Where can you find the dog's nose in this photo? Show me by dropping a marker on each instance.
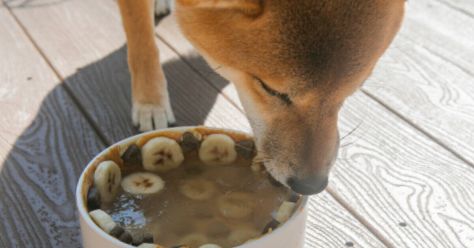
(309, 185)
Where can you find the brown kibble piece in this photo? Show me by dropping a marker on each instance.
(132, 156)
(189, 142)
(271, 226)
(117, 231)
(126, 237)
(245, 148)
(93, 199)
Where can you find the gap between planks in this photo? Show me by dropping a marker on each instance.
(418, 128)
(76, 101)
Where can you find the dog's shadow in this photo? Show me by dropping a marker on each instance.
(39, 173)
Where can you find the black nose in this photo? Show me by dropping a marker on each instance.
(308, 186)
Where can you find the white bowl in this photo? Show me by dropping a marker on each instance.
(290, 234)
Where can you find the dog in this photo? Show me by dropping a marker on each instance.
(293, 63)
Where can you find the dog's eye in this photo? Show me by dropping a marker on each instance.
(282, 96)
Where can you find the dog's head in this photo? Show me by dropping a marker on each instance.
(293, 64)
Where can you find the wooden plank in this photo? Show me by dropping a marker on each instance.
(391, 174)
(44, 144)
(329, 225)
(427, 76)
(88, 35)
(465, 7)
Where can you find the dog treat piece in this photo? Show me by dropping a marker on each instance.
(117, 231)
(285, 211)
(243, 234)
(193, 240)
(198, 189)
(149, 245)
(142, 183)
(272, 225)
(103, 220)
(93, 199)
(161, 154)
(140, 238)
(107, 179)
(209, 246)
(126, 237)
(132, 156)
(218, 149)
(236, 205)
(245, 148)
(189, 142)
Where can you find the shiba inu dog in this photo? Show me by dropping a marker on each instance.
(293, 62)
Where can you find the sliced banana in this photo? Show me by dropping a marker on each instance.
(103, 220)
(236, 205)
(142, 183)
(243, 234)
(194, 240)
(218, 149)
(161, 154)
(285, 211)
(209, 246)
(146, 245)
(107, 177)
(198, 189)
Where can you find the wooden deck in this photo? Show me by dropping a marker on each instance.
(405, 178)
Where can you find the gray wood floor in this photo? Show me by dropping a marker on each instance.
(405, 178)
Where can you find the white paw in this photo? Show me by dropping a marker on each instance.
(162, 7)
(151, 116)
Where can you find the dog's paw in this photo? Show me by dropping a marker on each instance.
(162, 7)
(152, 116)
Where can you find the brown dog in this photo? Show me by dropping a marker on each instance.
(293, 62)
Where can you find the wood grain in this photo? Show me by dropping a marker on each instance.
(71, 39)
(44, 144)
(433, 90)
(393, 175)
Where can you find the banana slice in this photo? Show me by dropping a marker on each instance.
(103, 220)
(236, 205)
(107, 177)
(146, 245)
(209, 246)
(194, 240)
(142, 183)
(198, 189)
(161, 154)
(285, 211)
(218, 149)
(243, 234)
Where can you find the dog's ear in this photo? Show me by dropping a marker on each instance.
(250, 7)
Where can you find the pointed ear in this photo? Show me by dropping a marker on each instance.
(251, 7)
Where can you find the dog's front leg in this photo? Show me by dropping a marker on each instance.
(150, 100)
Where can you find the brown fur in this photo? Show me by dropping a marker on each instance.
(293, 63)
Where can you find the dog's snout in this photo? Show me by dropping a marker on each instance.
(309, 185)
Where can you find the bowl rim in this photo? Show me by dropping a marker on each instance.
(80, 204)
